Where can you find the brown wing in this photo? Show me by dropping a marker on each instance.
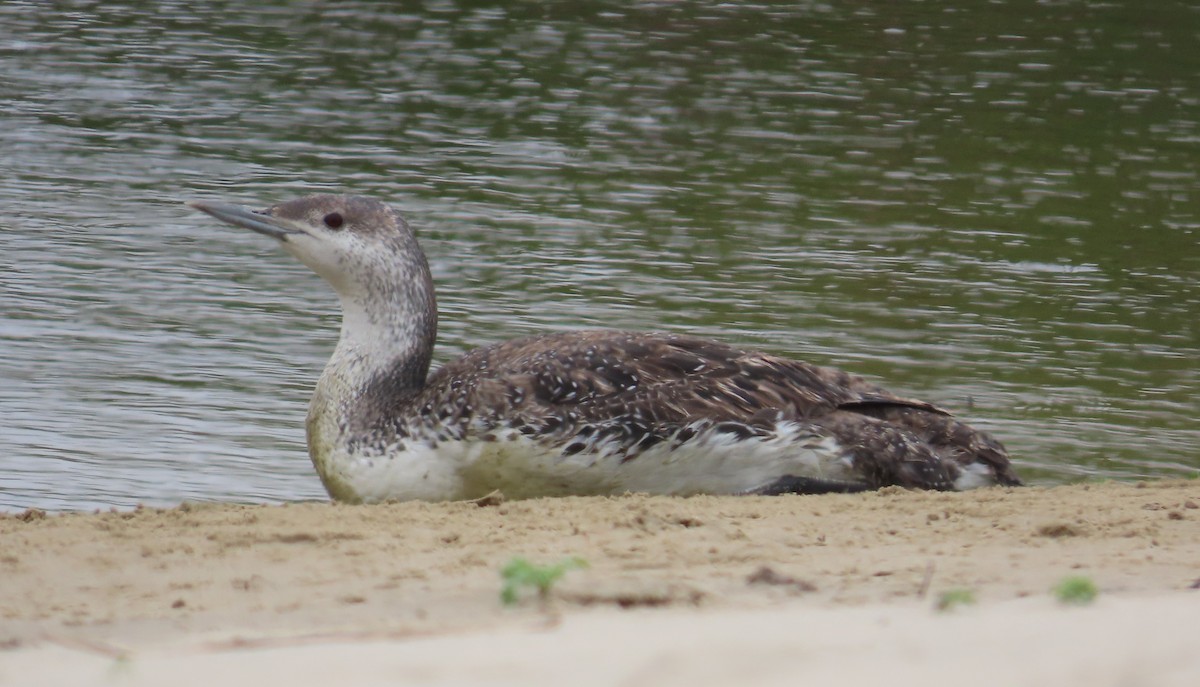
(593, 377)
(601, 375)
(637, 389)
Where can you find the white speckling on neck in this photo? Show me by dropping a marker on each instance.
(389, 324)
(375, 334)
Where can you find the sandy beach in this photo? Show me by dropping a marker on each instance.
(698, 591)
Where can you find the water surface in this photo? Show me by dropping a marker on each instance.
(994, 208)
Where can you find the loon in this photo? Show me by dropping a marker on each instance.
(583, 412)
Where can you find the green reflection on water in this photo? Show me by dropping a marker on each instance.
(993, 205)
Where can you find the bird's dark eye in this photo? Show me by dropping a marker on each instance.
(334, 220)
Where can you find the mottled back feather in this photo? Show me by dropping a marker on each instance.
(624, 391)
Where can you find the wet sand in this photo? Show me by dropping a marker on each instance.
(704, 590)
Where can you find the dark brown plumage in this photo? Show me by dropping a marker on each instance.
(577, 388)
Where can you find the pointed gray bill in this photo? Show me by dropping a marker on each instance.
(245, 217)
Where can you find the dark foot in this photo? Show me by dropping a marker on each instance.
(808, 485)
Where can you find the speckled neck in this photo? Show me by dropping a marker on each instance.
(389, 325)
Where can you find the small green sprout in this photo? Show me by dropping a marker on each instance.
(953, 598)
(520, 573)
(1077, 591)
(121, 667)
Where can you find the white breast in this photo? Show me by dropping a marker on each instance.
(523, 467)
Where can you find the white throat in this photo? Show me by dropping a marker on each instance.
(375, 337)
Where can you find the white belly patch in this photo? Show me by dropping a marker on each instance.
(710, 461)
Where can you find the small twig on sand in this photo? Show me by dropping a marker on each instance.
(926, 579)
